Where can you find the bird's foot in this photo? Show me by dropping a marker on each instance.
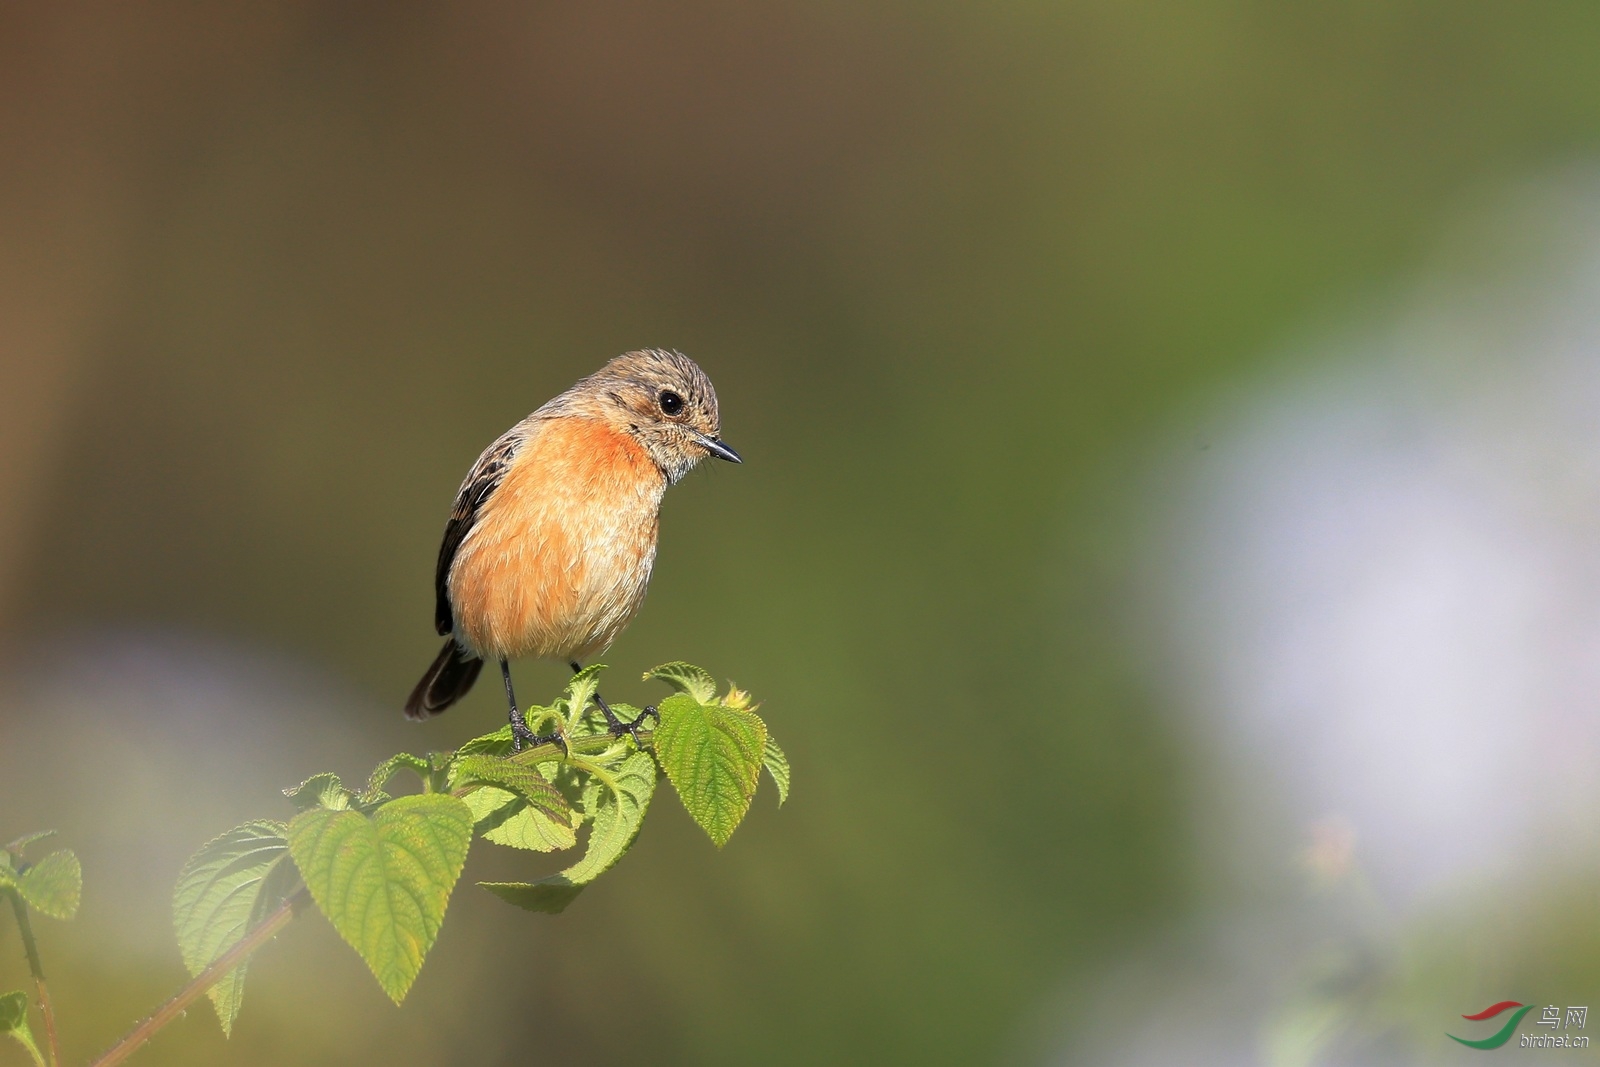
(556, 738)
(526, 738)
(522, 736)
(617, 727)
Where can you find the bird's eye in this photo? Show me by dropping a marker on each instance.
(671, 403)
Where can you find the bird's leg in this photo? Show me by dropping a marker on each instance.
(520, 734)
(614, 724)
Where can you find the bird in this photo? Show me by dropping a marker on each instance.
(549, 548)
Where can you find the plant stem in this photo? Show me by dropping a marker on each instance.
(587, 744)
(263, 932)
(31, 948)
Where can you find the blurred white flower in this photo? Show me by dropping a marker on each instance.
(1390, 582)
(1382, 587)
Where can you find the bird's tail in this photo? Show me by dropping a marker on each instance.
(446, 682)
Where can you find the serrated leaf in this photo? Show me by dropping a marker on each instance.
(580, 692)
(516, 806)
(547, 897)
(497, 743)
(53, 885)
(386, 770)
(506, 819)
(712, 754)
(617, 802)
(489, 802)
(14, 1021)
(617, 812)
(223, 892)
(686, 678)
(319, 791)
(777, 765)
(16, 847)
(384, 880)
(519, 778)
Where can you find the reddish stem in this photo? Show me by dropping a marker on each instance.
(263, 932)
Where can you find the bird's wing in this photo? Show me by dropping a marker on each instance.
(480, 484)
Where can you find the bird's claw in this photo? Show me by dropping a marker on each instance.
(617, 727)
(532, 740)
(520, 735)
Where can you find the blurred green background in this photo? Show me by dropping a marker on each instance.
(272, 275)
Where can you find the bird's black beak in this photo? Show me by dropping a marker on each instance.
(717, 448)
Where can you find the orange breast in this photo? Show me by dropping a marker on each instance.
(559, 558)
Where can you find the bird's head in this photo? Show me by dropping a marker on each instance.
(664, 401)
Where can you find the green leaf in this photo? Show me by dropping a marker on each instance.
(16, 847)
(384, 880)
(495, 744)
(580, 692)
(625, 712)
(490, 807)
(386, 770)
(713, 755)
(617, 801)
(14, 1021)
(617, 805)
(53, 885)
(686, 678)
(515, 804)
(777, 765)
(319, 791)
(499, 742)
(594, 721)
(223, 892)
(519, 778)
(506, 819)
(548, 897)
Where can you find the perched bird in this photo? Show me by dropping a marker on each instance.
(553, 535)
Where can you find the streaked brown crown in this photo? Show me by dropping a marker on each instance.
(661, 397)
